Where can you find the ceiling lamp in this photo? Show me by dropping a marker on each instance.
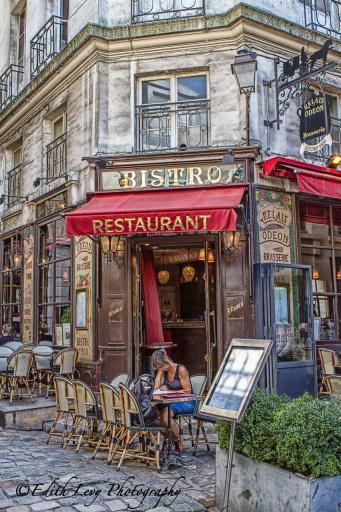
(188, 272)
(210, 255)
(315, 274)
(163, 275)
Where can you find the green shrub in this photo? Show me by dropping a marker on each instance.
(303, 434)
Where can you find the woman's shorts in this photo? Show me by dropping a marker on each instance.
(179, 408)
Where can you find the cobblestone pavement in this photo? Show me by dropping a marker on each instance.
(26, 459)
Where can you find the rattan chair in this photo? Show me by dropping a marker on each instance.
(63, 365)
(112, 420)
(18, 374)
(135, 429)
(123, 378)
(65, 407)
(85, 425)
(14, 345)
(198, 384)
(42, 367)
(5, 354)
(333, 383)
(327, 366)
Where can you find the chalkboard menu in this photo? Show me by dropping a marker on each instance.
(236, 378)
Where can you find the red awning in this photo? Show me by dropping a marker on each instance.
(157, 211)
(311, 179)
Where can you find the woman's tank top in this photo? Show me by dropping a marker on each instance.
(174, 384)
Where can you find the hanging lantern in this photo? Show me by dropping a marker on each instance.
(188, 273)
(315, 274)
(16, 260)
(231, 241)
(109, 246)
(163, 275)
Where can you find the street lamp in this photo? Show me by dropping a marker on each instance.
(244, 68)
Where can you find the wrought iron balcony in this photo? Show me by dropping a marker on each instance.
(326, 151)
(57, 158)
(154, 10)
(323, 16)
(14, 185)
(47, 43)
(167, 126)
(10, 83)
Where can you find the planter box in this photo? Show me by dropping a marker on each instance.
(265, 488)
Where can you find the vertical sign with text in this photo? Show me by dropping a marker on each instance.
(28, 253)
(83, 339)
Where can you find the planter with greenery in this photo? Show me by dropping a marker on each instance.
(293, 450)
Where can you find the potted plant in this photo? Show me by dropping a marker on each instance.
(287, 456)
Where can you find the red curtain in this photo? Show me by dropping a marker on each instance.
(152, 313)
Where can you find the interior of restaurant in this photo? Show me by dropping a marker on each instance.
(184, 277)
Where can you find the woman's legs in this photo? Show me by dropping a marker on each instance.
(164, 423)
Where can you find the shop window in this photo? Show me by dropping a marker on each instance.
(57, 149)
(54, 268)
(320, 247)
(11, 289)
(172, 113)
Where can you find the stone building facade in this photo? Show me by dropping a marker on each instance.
(83, 87)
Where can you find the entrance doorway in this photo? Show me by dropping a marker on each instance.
(185, 275)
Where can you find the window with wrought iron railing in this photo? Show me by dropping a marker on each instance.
(323, 16)
(173, 113)
(154, 10)
(10, 82)
(14, 185)
(47, 43)
(57, 158)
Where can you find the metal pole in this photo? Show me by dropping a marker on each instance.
(248, 119)
(229, 469)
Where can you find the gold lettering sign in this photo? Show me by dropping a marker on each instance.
(150, 224)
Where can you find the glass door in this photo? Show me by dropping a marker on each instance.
(285, 315)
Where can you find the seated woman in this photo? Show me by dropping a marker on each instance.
(174, 377)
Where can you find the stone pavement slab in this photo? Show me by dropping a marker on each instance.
(93, 486)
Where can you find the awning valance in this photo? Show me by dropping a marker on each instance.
(192, 209)
(311, 179)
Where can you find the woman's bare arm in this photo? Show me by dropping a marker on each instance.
(158, 379)
(184, 379)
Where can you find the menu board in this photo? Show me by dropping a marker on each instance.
(236, 378)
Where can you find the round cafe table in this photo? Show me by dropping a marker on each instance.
(175, 396)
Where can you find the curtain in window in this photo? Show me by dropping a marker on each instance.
(152, 313)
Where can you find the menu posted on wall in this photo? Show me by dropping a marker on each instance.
(28, 250)
(236, 378)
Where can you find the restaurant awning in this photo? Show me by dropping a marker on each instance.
(192, 209)
(311, 179)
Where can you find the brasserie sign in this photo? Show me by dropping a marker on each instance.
(172, 176)
(314, 124)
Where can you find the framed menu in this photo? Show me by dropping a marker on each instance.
(236, 379)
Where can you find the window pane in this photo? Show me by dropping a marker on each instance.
(315, 224)
(156, 91)
(292, 305)
(63, 274)
(337, 226)
(46, 284)
(16, 288)
(6, 287)
(321, 262)
(45, 323)
(47, 243)
(63, 243)
(324, 314)
(192, 88)
(58, 128)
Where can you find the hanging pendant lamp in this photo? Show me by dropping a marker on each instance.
(188, 272)
(163, 275)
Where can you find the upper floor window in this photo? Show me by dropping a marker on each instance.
(172, 113)
(57, 149)
(154, 10)
(14, 178)
(323, 16)
(21, 43)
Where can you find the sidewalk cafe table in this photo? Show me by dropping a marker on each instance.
(168, 399)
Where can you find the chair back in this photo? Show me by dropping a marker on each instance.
(45, 343)
(64, 389)
(21, 363)
(84, 399)
(66, 359)
(111, 403)
(14, 345)
(5, 353)
(327, 361)
(42, 357)
(122, 378)
(198, 383)
(333, 384)
(130, 407)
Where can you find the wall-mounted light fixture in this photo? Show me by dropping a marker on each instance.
(334, 161)
(3, 197)
(109, 246)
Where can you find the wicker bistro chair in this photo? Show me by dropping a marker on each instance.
(65, 396)
(86, 421)
(123, 378)
(5, 353)
(42, 365)
(135, 429)
(333, 383)
(198, 384)
(14, 345)
(18, 374)
(112, 421)
(63, 365)
(328, 367)
(201, 419)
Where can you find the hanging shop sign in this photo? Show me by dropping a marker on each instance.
(172, 177)
(275, 227)
(83, 264)
(28, 251)
(314, 124)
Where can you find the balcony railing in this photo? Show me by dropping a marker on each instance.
(323, 16)
(154, 10)
(14, 185)
(326, 151)
(47, 43)
(56, 158)
(10, 83)
(166, 126)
